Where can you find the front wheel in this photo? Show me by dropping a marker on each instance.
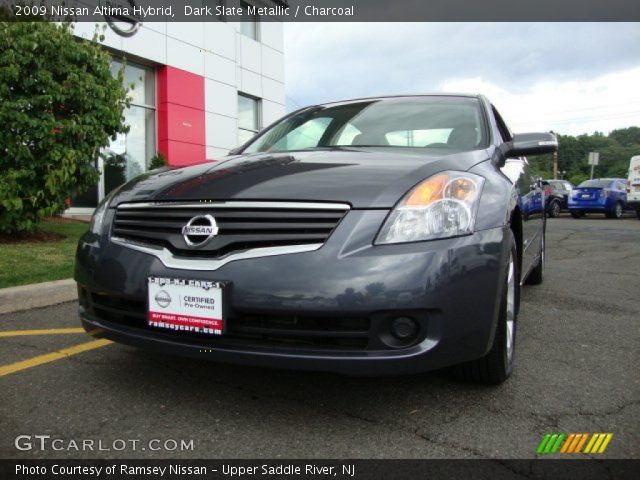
(496, 366)
(554, 209)
(638, 213)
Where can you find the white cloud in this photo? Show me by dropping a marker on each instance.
(572, 107)
(572, 78)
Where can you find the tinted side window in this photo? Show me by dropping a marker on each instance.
(505, 133)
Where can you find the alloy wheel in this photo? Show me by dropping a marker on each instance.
(511, 313)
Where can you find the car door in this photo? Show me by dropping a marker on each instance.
(531, 204)
(621, 186)
(528, 188)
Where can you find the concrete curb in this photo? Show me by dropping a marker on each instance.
(14, 299)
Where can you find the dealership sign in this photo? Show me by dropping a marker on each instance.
(122, 19)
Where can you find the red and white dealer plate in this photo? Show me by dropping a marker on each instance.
(186, 305)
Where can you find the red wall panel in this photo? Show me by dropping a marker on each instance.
(181, 117)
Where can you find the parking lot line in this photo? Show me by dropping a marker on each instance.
(47, 331)
(50, 357)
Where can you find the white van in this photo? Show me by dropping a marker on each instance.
(633, 196)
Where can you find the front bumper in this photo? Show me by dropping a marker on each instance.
(450, 287)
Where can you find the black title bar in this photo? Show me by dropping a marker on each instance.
(326, 10)
(317, 469)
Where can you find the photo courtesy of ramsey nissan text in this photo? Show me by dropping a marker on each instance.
(312, 239)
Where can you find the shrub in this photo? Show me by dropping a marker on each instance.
(157, 161)
(59, 104)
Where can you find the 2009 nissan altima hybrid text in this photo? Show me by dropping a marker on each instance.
(369, 237)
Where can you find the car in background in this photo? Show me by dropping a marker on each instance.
(599, 195)
(557, 194)
(633, 185)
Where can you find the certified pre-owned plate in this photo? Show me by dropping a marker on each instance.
(186, 305)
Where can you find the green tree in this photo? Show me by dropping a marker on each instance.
(59, 104)
(615, 151)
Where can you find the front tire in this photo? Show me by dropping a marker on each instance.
(638, 213)
(554, 209)
(497, 365)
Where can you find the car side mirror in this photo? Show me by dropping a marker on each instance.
(524, 144)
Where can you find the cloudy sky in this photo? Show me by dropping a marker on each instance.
(572, 78)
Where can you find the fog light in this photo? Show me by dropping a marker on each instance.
(404, 328)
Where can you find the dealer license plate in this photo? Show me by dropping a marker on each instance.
(186, 305)
(586, 196)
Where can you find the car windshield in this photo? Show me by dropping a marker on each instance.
(595, 184)
(454, 123)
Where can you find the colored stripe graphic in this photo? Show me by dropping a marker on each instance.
(573, 443)
(544, 441)
(551, 442)
(594, 437)
(567, 443)
(555, 448)
(581, 443)
(606, 441)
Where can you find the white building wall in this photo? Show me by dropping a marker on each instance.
(229, 62)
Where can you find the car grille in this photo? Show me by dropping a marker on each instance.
(243, 329)
(242, 225)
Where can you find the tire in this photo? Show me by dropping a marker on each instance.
(638, 213)
(497, 365)
(536, 275)
(554, 209)
(576, 214)
(616, 212)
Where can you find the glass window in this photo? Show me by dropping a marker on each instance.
(505, 133)
(306, 135)
(250, 25)
(248, 117)
(420, 138)
(454, 123)
(597, 183)
(129, 154)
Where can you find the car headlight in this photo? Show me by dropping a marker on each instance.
(441, 206)
(95, 226)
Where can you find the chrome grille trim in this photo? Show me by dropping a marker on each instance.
(208, 264)
(247, 229)
(240, 204)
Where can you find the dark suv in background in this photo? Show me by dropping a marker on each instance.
(557, 194)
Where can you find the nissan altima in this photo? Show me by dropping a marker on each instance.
(368, 237)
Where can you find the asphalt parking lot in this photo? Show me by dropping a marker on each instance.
(576, 371)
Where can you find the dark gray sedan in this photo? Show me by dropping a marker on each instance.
(372, 236)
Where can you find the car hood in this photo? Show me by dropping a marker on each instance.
(363, 178)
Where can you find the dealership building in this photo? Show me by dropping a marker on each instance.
(201, 89)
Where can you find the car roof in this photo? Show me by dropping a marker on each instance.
(408, 95)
